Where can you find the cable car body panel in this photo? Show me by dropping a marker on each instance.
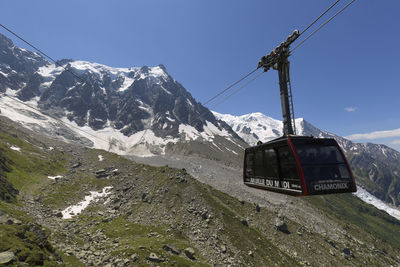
(298, 166)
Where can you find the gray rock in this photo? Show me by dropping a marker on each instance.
(3, 219)
(6, 257)
(76, 165)
(154, 258)
(223, 248)
(12, 220)
(280, 225)
(189, 252)
(172, 249)
(134, 257)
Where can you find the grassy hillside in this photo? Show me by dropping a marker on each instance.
(161, 216)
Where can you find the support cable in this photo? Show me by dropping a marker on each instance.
(312, 23)
(237, 90)
(229, 87)
(320, 27)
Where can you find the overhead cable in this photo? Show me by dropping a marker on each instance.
(237, 90)
(312, 23)
(320, 27)
(229, 87)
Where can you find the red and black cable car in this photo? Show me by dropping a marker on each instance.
(291, 164)
(299, 166)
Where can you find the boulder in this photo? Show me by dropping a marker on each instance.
(6, 257)
(189, 252)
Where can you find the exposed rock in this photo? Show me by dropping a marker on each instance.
(6, 257)
(134, 257)
(172, 249)
(101, 173)
(154, 258)
(76, 165)
(189, 252)
(223, 248)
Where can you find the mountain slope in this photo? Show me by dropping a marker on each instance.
(377, 167)
(162, 216)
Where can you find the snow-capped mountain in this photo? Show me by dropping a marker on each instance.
(138, 110)
(377, 167)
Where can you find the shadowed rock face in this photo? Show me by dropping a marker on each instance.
(16, 65)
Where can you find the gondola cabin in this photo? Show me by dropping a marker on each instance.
(298, 165)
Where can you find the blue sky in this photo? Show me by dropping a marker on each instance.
(345, 79)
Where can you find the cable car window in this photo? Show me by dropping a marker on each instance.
(288, 163)
(322, 162)
(260, 167)
(250, 165)
(271, 163)
(319, 154)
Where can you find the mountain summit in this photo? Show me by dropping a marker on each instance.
(138, 106)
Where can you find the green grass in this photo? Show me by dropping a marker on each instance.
(142, 239)
(18, 239)
(247, 238)
(62, 192)
(31, 165)
(348, 209)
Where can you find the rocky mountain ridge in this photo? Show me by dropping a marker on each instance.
(142, 108)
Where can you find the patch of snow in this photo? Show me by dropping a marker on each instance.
(190, 132)
(232, 151)
(71, 211)
(54, 177)
(4, 74)
(100, 157)
(165, 90)
(189, 102)
(365, 196)
(264, 127)
(51, 148)
(15, 148)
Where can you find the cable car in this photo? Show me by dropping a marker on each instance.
(292, 164)
(299, 166)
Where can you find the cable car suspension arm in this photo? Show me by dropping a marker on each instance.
(278, 60)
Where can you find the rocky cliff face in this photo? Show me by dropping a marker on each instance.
(17, 65)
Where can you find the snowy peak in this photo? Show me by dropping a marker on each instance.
(256, 127)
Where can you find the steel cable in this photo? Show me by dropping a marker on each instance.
(320, 27)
